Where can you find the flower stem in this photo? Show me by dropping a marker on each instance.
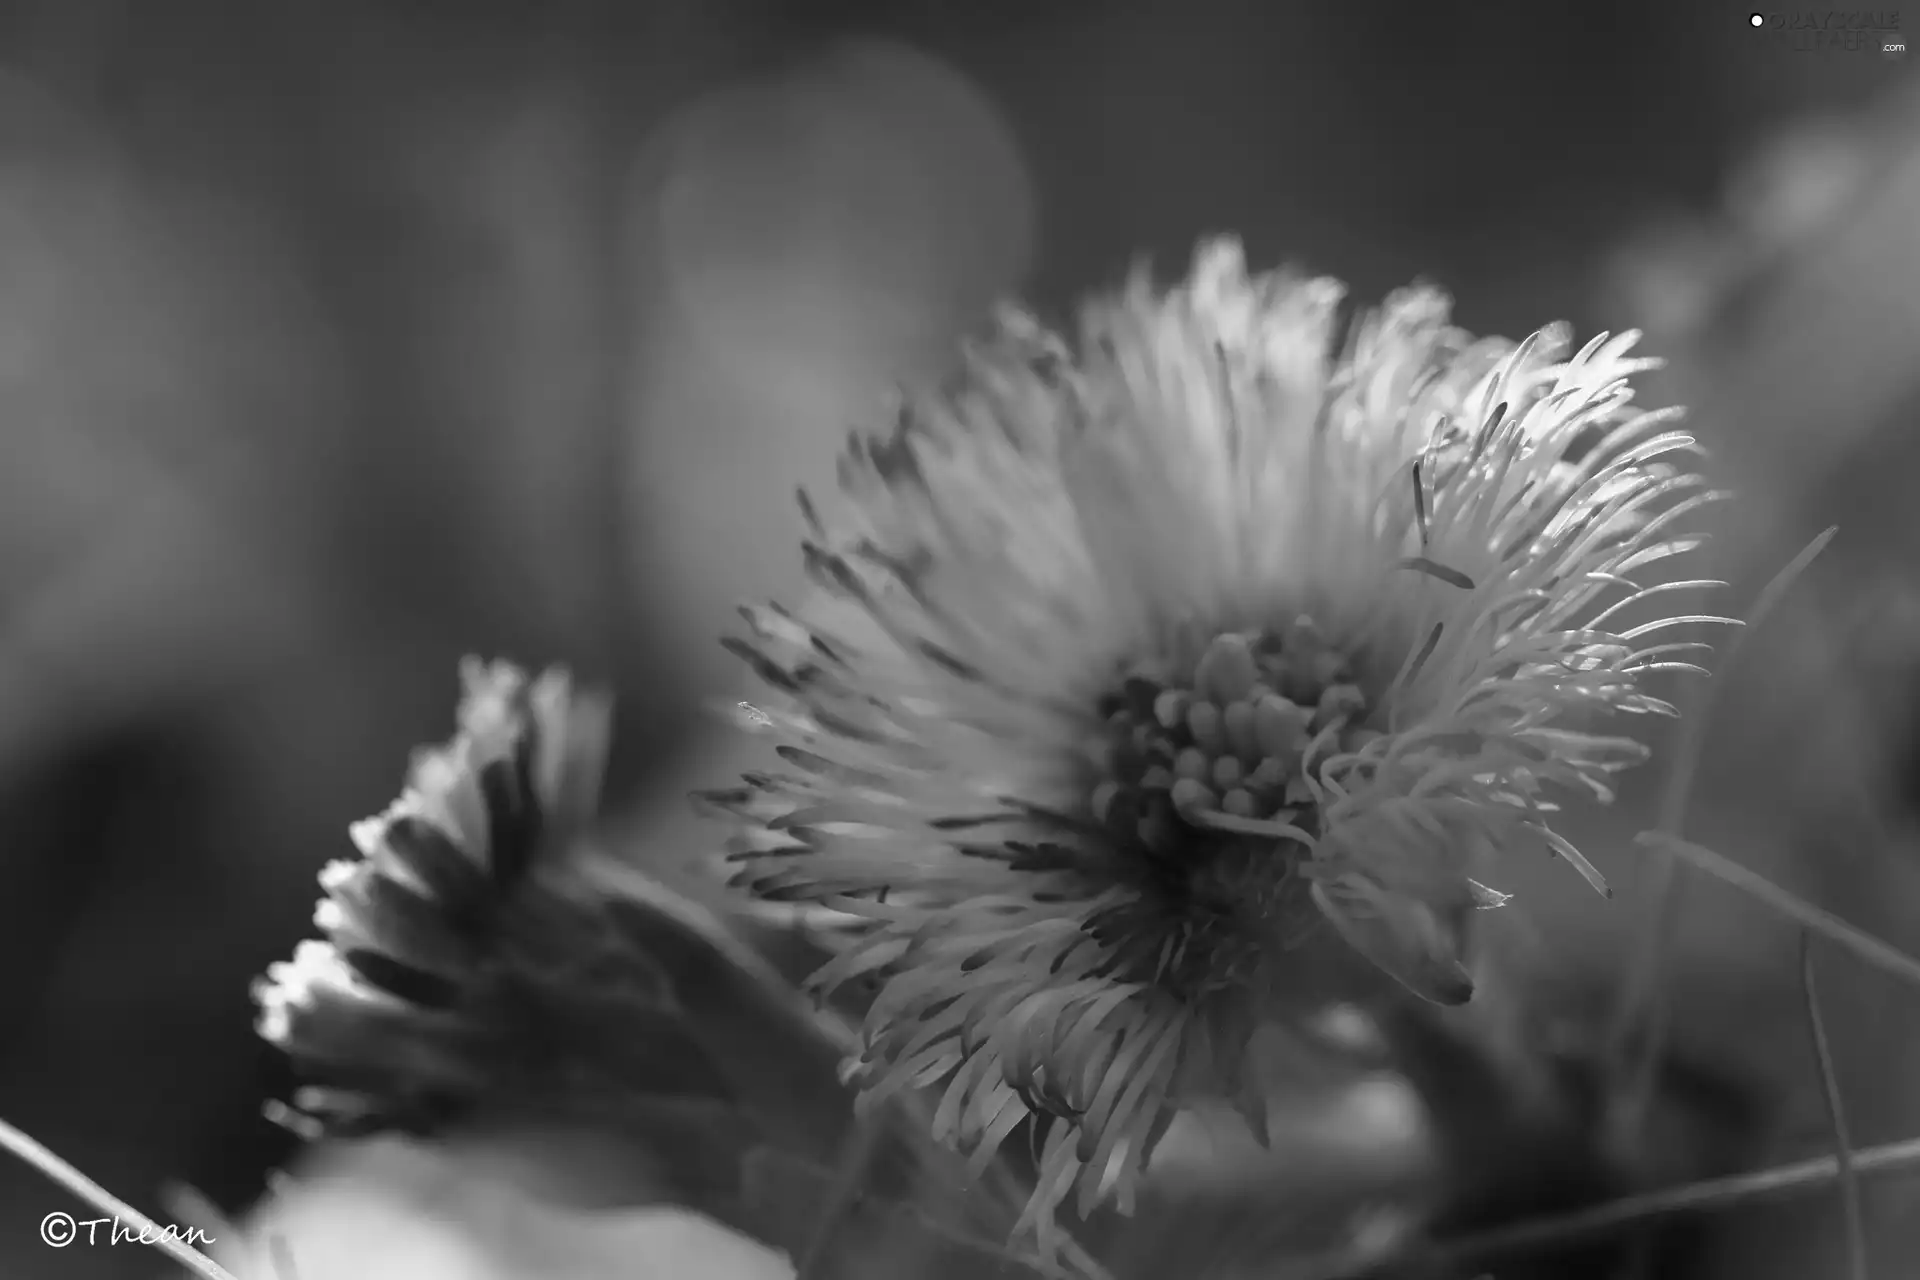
(58, 1170)
(857, 1157)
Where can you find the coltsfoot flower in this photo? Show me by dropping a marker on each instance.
(465, 960)
(1141, 656)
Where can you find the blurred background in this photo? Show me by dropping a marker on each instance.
(340, 340)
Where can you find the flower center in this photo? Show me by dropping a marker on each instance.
(1227, 748)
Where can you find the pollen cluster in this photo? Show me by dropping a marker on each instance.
(1233, 739)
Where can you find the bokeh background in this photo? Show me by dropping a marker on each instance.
(340, 340)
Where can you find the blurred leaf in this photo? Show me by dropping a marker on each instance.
(878, 1238)
(781, 1063)
(778, 1060)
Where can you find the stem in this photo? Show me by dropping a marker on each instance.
(282, 1254)
(150, 1232)
(857, 1158)
(790, 1188)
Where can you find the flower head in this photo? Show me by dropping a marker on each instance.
(463, 963)
(1141, 657)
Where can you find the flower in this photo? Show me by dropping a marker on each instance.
(1139, 657)
(466, 959)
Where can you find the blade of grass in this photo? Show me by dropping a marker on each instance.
(1837, 1117)
(85, 1188)
(1879, 954)
(1619, 1215)
(1642, 1003)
